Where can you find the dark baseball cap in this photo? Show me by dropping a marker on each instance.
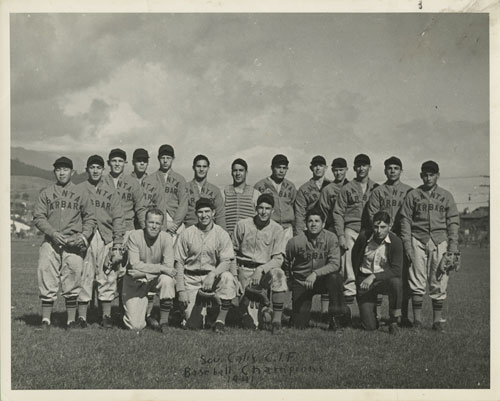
(117, 153)
(166, 150)
(393, 160)
(204, 202)
(63, 162)
(430, 167)
(361, 160)
(339, 162)
(241, 162)
(278, 160)
(140, 154)
(318, 160)
(267, 198)
(95, 159)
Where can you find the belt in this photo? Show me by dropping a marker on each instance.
(196, 272)
(248, 263)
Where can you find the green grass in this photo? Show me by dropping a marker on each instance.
(117, 359)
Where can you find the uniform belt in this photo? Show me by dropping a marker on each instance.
(196, 272)
(248, 263)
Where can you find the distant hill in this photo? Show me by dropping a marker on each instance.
(44, 159)
(18, 168)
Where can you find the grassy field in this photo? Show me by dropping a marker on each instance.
(117, 359)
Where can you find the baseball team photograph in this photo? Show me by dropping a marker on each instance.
(247, 201)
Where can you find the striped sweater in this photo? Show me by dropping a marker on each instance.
(238, 205)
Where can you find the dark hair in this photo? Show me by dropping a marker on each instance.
(200, 157)
(155, 211)
(241, 162)
(315, 212)
(383, 217)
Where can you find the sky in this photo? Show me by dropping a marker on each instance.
(254, 85)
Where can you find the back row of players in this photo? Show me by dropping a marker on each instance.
(188, 240)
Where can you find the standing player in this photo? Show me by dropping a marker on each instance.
(107, 235)
(329, 194)
(309, 193)
(64, 214)
(389, 198)
(151, 268)
(284, 193)
(203, 254)
(347, 215)
(429, 229)
(240, 199)
(140, 160)
(258, 244)
(198, 188)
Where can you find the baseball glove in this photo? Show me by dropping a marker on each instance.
(76, 242)
(207, 298)
(113, 259)
(450, 261)
(257, 295)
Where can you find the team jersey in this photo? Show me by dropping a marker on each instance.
(64, 209)
(239, 204)
(134, 175)
(107, 210)
(307, 197)
(327, 200)
(209, 191)
(283, 201)
(426, 215)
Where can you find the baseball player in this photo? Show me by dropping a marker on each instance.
(151, 268)
(203, 254)
(107, 235)
(312, 259)
(240, 199)
(429, 229)
(198, 188)
(258, 244)
(140, 160)
(309, 193)
(377, 259)
(347, 215)
(284, 193)
(389, 198)
(329, 193)
(64, 214)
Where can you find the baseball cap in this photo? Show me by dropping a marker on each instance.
(204, 202)
(430, 167)
(63, 162)
(166, 150)
(241, 162)
(318, 160)
(393, 160)
(95, 159)
(279, 160)
(361, 159)
(339, 162)
(140, 154)
(117, 153)
(267, 198)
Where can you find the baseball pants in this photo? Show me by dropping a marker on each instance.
(426, 258)
(346, 260)
(58, 264)
(135, 300)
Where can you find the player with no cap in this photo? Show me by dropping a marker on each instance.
(64, 214)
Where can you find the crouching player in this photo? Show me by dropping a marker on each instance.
(203, 254)
(258, 243)
(151, 269)
(312, 259)
(377, 260)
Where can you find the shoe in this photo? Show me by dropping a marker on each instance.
(152, 323)
(346, 319)
(417, 324)
(247, 322)
(45, 325)
(406, 323)
(324, 322)
(276, 327)
(266, 318)
(393, 328)
(107, 323)
(82, 322)
(72, 325)
(438, 326)
(164, 328)
(332, 324)
(219, 327)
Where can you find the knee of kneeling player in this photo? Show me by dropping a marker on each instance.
(167, 286)
(278, 280)
(226, 287)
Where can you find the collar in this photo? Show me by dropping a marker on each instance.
(387, 239)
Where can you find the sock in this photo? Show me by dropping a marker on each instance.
(82, 309)
(379, 305)
(151, 299)
(106, 308)
(47, 310)
(437, 309)
(325, 300)
(165, 307)
(224, 308)
(349, 300)
(71, 309)
(278, 302)
(416, 303)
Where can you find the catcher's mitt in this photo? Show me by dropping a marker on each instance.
(450, 261)
(257, 295)
(76, 242)
(207, 298)
(113, 259)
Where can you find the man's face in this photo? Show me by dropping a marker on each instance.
(429, 179)
(279, 171)
(63, 174)
(239, 174)
(205, 216)
(153, 225)
(201, 169)
(339, 173)
(264, 211)
(318, 170)
(140, 165)
(95, 172)
(393, 172)
(380, 230)
(165, 162)
(362, 170)
(117, 165)
(314, 224)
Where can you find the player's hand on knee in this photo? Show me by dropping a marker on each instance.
(256, 276)
(136, 274)
(172, 227)
(342, 244)
(183, 298)
(310, 280)
(208, 282)
(59, 238)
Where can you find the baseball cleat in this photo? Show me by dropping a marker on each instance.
(332, 324)
(107, 323)
(152, 323)
(266, 318)
(164, 328)
(438, 326)
(219, 327)
(417, 324)
(276, 327)
(405, 322)
(72, 325)
(45, 325)
(393, 328)
(82, 322)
